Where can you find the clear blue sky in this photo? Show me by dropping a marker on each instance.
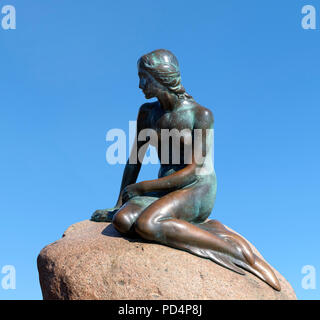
(68, 75)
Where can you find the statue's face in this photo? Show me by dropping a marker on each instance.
(148, 84)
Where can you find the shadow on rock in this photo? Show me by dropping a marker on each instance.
(110, 231)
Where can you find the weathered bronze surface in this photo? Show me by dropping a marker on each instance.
(173, 210)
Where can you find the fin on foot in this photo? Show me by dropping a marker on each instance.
(250, 261)
(263, 271)
(217, 257)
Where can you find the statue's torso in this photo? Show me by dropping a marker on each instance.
(183, 120)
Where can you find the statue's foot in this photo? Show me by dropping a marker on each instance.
(105, 215)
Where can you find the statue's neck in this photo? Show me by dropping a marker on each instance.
(168, 101)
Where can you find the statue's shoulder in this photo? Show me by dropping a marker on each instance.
(204, 116)
(148, 106)
(146, 114)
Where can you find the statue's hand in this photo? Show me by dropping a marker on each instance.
(130, 191)
(105, 215)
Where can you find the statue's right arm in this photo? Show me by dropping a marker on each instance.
(133, 166)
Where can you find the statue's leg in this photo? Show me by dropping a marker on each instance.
(170, 221)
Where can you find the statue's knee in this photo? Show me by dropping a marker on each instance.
(146, 228)
(121, 222)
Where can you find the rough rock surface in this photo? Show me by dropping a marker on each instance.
(93, 261)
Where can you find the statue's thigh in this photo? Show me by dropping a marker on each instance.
(182, 204)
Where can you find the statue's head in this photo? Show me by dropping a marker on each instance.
(159, 71)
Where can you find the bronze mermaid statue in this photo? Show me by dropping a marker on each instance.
(173, 210)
